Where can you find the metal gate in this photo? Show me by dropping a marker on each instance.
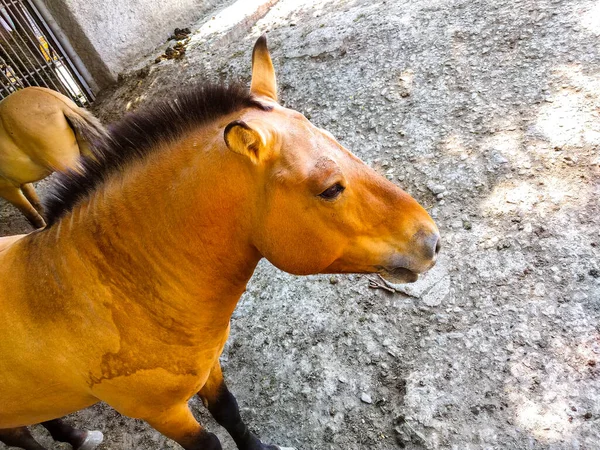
(30, 55)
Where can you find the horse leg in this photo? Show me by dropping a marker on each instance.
(14, 195)
(179, 424)
(79, 439)
(224, 408)
(32, 196)
(19, 437)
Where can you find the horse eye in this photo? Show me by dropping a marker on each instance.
(332, 192)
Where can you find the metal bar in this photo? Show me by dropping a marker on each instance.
(73, 90)
(11, 2)
(34, 72)
(30, 35)
(24, 23)
(43, 66)
(31, 64)
(11, 34)
(55, 43)
(13, 66)
(2, 89)
(61, 76)
(53, 30)
(10, 83)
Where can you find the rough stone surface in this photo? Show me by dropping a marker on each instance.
(442, 92)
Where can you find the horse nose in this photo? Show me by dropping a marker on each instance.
(432, 245)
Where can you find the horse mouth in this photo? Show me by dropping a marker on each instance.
(399, 275)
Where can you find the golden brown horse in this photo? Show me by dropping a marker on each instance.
(41, 131)
(126, 296)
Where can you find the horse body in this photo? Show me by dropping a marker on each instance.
(126, 297)
(110, 317)
(41, 131)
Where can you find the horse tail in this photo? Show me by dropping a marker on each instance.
(89, 132)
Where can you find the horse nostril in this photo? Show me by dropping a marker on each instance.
(431, 243)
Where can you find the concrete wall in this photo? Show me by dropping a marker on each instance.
(108, 34)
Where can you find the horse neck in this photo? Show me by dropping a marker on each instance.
(176, 225)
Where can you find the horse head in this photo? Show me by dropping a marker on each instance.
(319, 208)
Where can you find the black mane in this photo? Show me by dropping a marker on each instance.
(139, 133)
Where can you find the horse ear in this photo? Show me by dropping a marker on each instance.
(263, 75)
(245, 140)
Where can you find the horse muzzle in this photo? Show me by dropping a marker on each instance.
(406, 268)
(399, 275)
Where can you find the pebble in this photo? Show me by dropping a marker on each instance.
(436, 188)
(436, 296)
(497, 158)
(539, 290)
(366, 398)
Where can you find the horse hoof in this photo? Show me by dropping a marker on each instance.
(92, 440)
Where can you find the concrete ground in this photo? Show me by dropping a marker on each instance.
(489, 114)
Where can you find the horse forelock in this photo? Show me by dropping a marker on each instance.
(141, 133)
